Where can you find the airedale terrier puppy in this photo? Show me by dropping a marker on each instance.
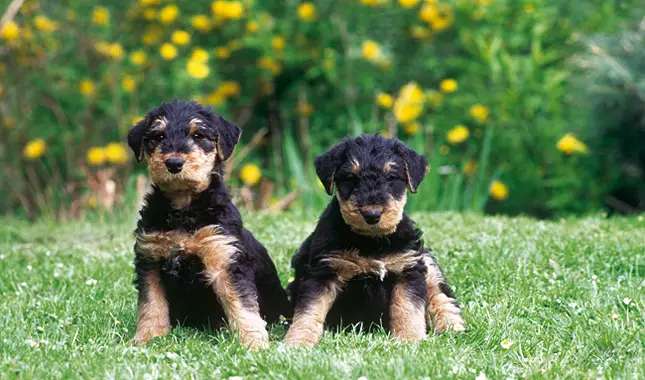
(195, 263)
(365, 262)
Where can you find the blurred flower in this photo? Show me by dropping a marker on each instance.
(197, 69)
(507, 343)
(1, 90)
(409, 105)
(115, 50)
(305, 109)
(384, 100)
(457, 135)
(128, 83)
(470, 167)
(180, 37)
(138, 57)
(71, 14)
(168, 14)
(439, 16)
(307, 11)
(411, 129)
(11, 31)
(230, 88)
(116, 154)
(215, 98)
(479, 113)
(96, 156)
(529, 8)
(270, 64)
(385, 133)
(278, 43)
(34, 149)
(222, 52)
(570, 144)
(408, 3)
(266, 20)
(374, 3)
(149, 2)
(419, 32)
(234, 44)
(135, 119)
(150, 14)
(9, 123)
(428, 13)
(86, 87)
(252, 26)
(435, 98)
(100, 16)
(448, 85)
(168, 51)
(371, 50)
(152, 35)
(499, 191)
(228, 9)
(44, 24)
(250, 174)
(202, 23)
(199, 55)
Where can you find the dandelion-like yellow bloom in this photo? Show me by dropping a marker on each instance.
(100, 16)
(168, 14)
(470, 167)
(448, 85)
(479, 113)
(116, 154)
(307, 11)
(270, 64)
(10, 32)
(180, 37)
(250, 174)
(44, 24)
(419, 32)
(252, 26)
(96, 156)
(230, 88)
(371, 50)
(435, 98)
(199, 55)
(87, 87)
(408, 3)
(458, 134)
(428, 13)
(222, 52)
(1, 90)
(409, 105)
(529, 8)
(197, 69)
(116, 51)
(569, 144)
(128, 83)
(215, 98)
(305, 109)
(385, 133)
(168, 51)
(374, 3)
(34, 149)
(138, 57)
(278, 43)
(232, 10)
(150, 14)
(135, 119)
(149, 2)
(152, 35)
(411, 129)
(499, 191)
(384, 100)
(202, 23)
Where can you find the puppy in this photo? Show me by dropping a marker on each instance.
(365, 261)
(195, 263)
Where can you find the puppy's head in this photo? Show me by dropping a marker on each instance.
(185, 143)
(371, 175)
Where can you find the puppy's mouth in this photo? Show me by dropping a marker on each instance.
(373, 220)
(174, 173)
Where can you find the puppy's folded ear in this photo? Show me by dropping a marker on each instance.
(327, 164)
(135, 137)
(416, 166)
(228, 134)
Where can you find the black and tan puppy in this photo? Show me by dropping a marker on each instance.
(195, 263)
(365, 262)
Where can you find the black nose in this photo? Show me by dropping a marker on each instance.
(174, 164)
(372, 216)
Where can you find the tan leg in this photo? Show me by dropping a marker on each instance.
(407, 320)
(442, 309)
(309, 319)
(153, 315)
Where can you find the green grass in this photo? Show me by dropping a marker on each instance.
(558, 290)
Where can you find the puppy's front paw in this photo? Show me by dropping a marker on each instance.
(254, 340)
(448, 320)
(145, 335)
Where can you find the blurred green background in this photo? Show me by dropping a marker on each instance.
(532, 107)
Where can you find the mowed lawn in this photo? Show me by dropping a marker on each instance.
(541, 299)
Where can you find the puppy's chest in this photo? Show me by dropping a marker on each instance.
(351, 264)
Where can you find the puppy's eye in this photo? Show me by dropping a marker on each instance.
(198, 136)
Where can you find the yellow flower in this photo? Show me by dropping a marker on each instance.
(228, 9)
(384, 100)
(435, 98)
(115, 51)
(215, 98)
(230, 88)
(270, 64)
(100, 16)
(470, 167)
(10, 32)
(199, 55)
(87, 87)
(529, 8)
(250, 174)
(234, 44)
(149, 2)
(202, 23)
(44, 24)
(96, 156)
(278, 43)
(569, 144)
(168, 51)
(371, 50)
(222, 52)
(479, 113)
(428, 13)
(448, 85)
(419, 32)
(411, 129)
(128, 83)
(150, 14)
(307, 11)
(305, 109)
(440, 16)
(374, 3)
(116, 154)
(385, 133)
(168, 14)
(138, 57)
(499, 191)
(152, 35)
(457, 135)
(180, 37)
(34, 149)
(197, 69)
(408, 3)
(1, 90)
(409, 105)
(252, 26)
